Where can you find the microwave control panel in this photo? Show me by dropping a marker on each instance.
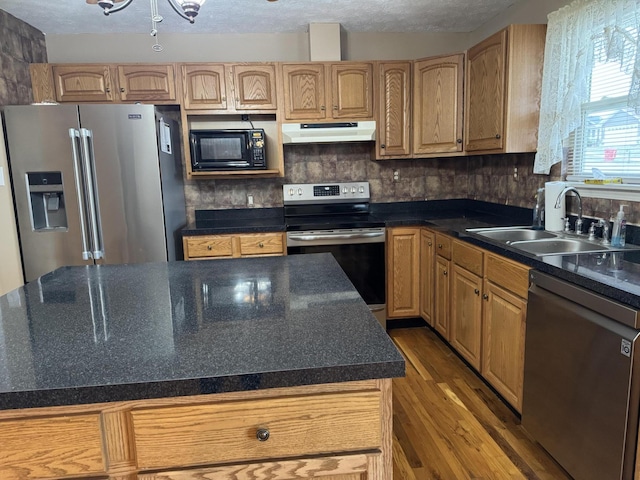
(257, 143)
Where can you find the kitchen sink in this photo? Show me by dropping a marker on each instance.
(541, 242)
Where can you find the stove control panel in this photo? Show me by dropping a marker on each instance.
(326, 192)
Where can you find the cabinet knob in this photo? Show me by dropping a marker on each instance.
(459, 140)
(262, 434)
(383, 146)
(476, 291)
(122, 89)
(498, 136)
(224, 99)
(429, 243)
(485, 296)
(209, 247)
(445, 273)
(108, 90)
(322, 107)
(335, 107)
(261, 245)
(439, 245)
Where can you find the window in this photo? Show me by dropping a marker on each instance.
(608, 137)
(590, 104)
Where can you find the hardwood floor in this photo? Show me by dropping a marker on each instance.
(449, 425)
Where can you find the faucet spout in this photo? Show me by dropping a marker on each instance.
(561, 196)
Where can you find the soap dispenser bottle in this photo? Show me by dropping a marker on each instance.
(619, 229)
(538, 211)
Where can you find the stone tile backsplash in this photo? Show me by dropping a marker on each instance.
(20, 45)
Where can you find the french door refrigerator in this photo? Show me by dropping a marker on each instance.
(96, 184)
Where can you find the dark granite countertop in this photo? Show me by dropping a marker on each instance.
(110, 333)
(614, 276)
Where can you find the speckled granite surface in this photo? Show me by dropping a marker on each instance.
(614, 276)
(109, 333)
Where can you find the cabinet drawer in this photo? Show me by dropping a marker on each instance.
(51, 447)
(443, 246)
(468, 257)
(208, 246)
(227, 432)
(262, 244)
(510, 275)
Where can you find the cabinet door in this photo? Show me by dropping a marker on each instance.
(254, 87)
(147, 83)
(485, 94)
(403, 272)
(427, 287)
(465, 322)
(503, 332)
(83, 83)
(441, 304)
(437, 116)
(204, 86)
(304, 91)
(394, 113)
(352, 90)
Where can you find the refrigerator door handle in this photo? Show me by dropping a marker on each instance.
(74, 134)
(91, 186)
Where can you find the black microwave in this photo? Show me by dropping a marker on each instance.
(232, 149)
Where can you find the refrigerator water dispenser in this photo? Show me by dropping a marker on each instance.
(46, 198)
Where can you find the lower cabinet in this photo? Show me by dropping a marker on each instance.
(442, 284)
(427, 247)
(403, 272)
(333, 432)
(199, 247)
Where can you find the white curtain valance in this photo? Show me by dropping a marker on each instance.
(572, 33)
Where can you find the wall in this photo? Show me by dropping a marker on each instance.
(20, 44)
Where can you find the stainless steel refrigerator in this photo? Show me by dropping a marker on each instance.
(95, 184)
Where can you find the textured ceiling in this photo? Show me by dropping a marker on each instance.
(261, 16)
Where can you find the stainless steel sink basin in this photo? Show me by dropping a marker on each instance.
(558, 246)
(510, 234)
(541, 242)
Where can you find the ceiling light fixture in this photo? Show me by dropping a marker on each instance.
(187, 9)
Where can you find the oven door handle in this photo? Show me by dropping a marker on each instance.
(338, 236)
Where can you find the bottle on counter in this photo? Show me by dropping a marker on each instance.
(538, 211)
(619, 231)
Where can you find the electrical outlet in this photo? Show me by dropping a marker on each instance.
(396, 175)
(250, 200)
(244, 118)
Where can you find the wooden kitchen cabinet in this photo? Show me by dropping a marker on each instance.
(403, 272)
(504, 323)
(325, 91)
(393, 93)
(465, 332)
(84, 83)
(437, 105)
(79, 83)
(502, 91)
(199, 247)
(261, 434)
(242, 87)
(427, 283)
(442, 284)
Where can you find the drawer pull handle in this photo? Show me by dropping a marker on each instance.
(209, 247)
(262, 434)
(261, 245)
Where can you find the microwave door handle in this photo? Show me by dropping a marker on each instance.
(92, 192)
(74, 134)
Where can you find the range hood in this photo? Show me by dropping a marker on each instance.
(328, 132)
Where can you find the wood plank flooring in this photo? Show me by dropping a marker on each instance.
(449, 425)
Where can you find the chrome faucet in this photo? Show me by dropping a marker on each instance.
(561, 197)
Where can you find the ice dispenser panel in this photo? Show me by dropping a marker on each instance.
(46, 198)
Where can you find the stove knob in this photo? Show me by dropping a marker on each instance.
(299, 191)
(353, 189)
(361, 189)
(291, 192)
(345, 190)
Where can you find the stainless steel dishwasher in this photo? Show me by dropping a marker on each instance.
(581, 391)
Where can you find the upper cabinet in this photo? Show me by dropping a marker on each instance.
(229, 87)
(437, 105)
(114, 83)
(393, 93)
(325, 91)
(503, 84)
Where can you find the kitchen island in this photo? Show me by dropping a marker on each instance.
(266, 367)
